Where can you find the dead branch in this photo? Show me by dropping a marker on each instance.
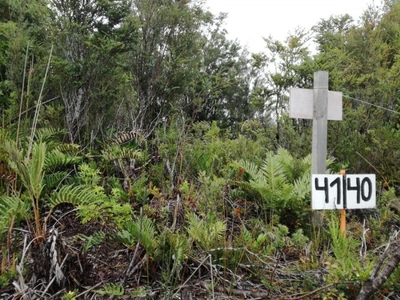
(381, 271)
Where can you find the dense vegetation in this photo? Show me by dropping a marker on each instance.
(144, 155)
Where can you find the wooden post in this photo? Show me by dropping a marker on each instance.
(320, 122)
(343, 213)
(320, 129)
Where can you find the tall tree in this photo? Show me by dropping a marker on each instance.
(22, 45)
(89, 37)
(165, 62)
(225, 79)
(284, 65)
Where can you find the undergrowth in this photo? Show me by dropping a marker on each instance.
(219, 218)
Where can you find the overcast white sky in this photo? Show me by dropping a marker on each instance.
(250, 20)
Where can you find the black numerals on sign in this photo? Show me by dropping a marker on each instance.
(354, 188)
(338, 189)
(362, 187)
(369, 189)
(324, 188)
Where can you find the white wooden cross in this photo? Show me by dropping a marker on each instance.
(320, 105)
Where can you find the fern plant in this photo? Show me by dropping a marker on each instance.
(173, 252)
(112, 289)
(31, 173)
(142, 231)
(94, 240)
(281, 184)
(208, 233)
(38, 173)
(92, 201)
(12, 209)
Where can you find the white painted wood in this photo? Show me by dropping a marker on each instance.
(330, 191)
(320, 122)
(301, 104)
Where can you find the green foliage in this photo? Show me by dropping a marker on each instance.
(53, 180)
(70, 295)
(347, 263)
(92, 91)
(334, 294)
(207, 232)
(393, 280)
(56, 159)
(140, 189)
(92, 201)
(108, 211)
(142, 231)
(212, 151)
(207, 111)
(31, 172)
(210, 194)
(116, 152)
(12, 209)
(112, 289)
(6, 277)
(299, 240)
(73, 194)
(139, 292)
(173, 251)
(280, 185)
(50, 136)
(94, 240)
(388, 213)
(89, 175)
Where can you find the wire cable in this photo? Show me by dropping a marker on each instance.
(377, 106)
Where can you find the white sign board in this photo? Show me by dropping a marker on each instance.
(343, 191)
(301, 104)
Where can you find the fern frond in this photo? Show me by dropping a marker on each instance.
(272, 183)
(196, 226)
(15, 157)
(76, 195)
(48, 134)
(302, 185)
(124, 237)
(94, 240)
(12, 209)
(284, 195)
(112, 289)
(287, 161)
(206, 232)
(56, 159)
(307, 161)
(143, 230)
(273, 172)
(180, 246)
(68, 148)
(115, 152)
(246, 236)
(251, 189)
(251, 168)
(52, 180)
